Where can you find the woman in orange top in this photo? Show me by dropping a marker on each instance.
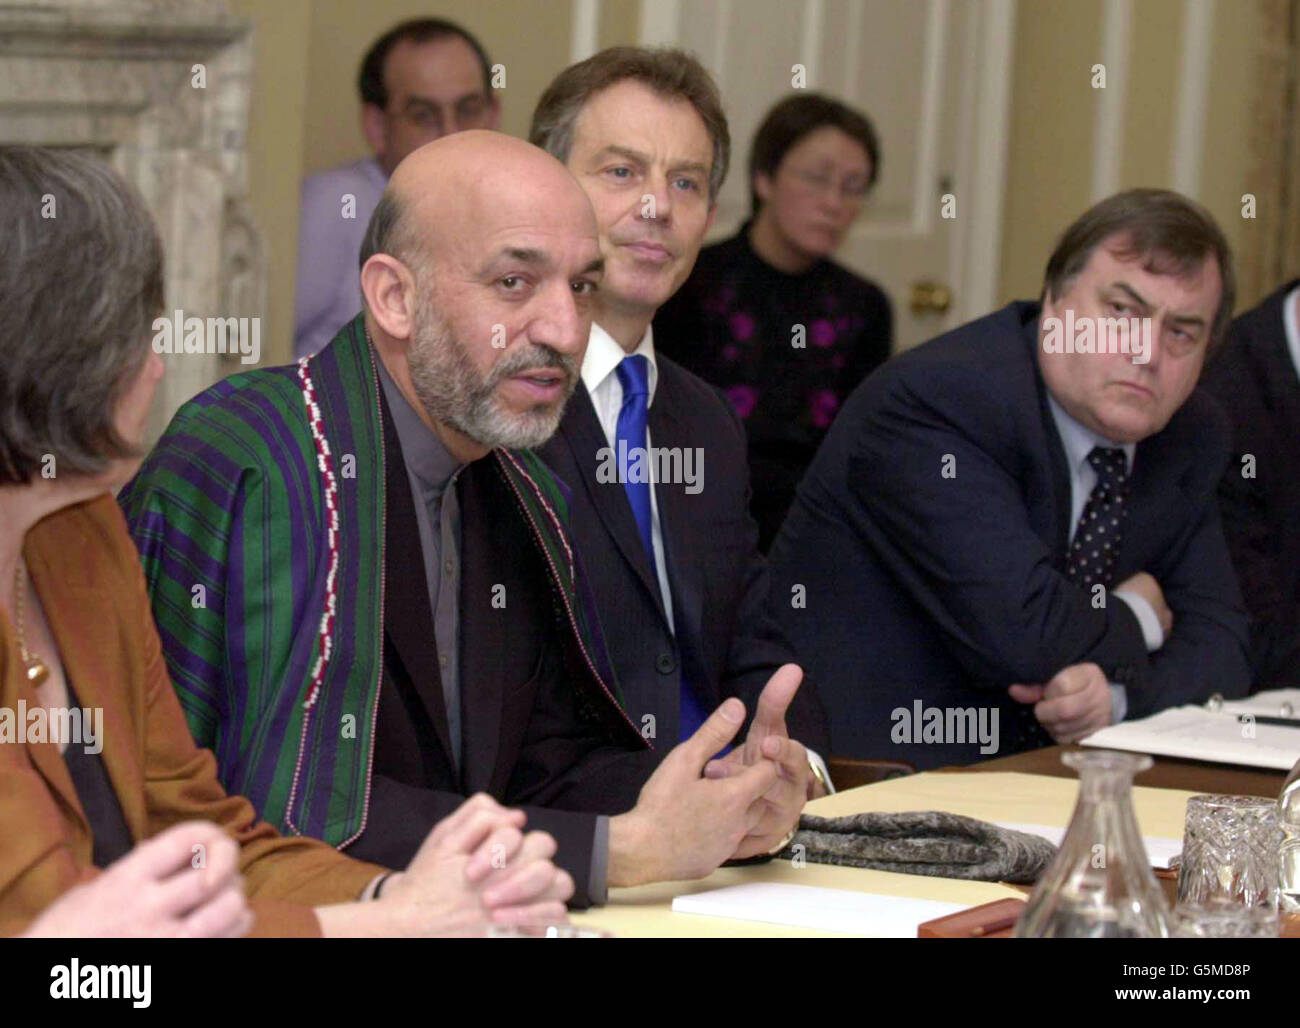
(114, 822)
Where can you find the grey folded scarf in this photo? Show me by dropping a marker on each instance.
(923, 843)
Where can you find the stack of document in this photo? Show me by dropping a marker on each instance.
(1235, 733)
(808, 906)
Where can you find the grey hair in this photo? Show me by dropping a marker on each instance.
(81, 280)
(390, 231)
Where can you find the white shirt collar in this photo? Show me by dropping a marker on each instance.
(1078, 441)
(604, 355)
(1292, 329)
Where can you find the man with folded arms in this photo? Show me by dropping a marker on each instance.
(365, 587)
(1009, 523)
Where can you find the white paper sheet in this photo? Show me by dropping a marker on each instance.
(807, 906)
(1159, 850)
(1266, 704)
(1195, 733)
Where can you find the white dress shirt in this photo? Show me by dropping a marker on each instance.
(1292, 329)
(599, 376)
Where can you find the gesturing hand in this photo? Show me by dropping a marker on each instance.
(768, 739)
(1075, 703)
(685, 825)
(182, 883)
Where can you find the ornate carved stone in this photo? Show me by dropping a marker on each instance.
(161, 88)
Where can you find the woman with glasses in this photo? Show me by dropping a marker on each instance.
(767, 316)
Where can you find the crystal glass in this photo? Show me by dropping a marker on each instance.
(1288, 816)
(1230, 851)
(1100, 885)
(1222, 919)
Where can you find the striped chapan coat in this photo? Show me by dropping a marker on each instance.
(260, 521)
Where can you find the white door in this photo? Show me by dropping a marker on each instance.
(933, 75)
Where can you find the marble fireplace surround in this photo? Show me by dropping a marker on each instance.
(118, 77)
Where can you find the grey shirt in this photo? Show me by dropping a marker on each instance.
(433, 472)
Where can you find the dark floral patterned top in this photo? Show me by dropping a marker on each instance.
(786, 350)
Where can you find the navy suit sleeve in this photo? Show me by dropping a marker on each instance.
(401, 817)
(1208, 649)
(1244, 509)
(757, 646)
(947, 514)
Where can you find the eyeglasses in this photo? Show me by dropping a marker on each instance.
(467, 113)
(851, 189)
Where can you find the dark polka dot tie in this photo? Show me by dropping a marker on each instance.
(1091, 561)
(1095, 547)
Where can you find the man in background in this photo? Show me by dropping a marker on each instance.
(421, 80)
(1256, 379)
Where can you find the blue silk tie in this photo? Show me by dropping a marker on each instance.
(630, 436)
(634, 376)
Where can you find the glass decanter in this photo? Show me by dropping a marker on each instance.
(1288, 819)
(1100, 885)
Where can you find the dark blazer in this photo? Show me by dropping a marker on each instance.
(526, 738)
(947, 588)
(725, 640)
(1254, 379)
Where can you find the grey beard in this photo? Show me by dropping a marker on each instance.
(451, 390)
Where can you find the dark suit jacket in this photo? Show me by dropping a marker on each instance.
(526, 739)
(724, 640)
(1254, 380)
(945, 590)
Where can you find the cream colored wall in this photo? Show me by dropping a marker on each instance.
(305, 116)
(531, 38)
(304, 113)
(1051, 155)
(275, 152)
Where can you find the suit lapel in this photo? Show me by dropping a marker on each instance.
(668, 428)
(1057, 464)
(582, 432)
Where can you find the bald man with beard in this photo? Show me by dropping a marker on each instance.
(362, 576)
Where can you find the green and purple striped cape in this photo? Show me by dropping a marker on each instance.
(229, 514)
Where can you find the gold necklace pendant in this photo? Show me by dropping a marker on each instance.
(37, 672)
(35, 668)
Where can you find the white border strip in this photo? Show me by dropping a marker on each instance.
(924, 203)
(981, 247)
(853, 50)
(585, 36)
(810, 40)
(1189, 102)
(1108, 144)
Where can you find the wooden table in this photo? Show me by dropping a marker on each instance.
(1166, 773)
(1159, 804)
